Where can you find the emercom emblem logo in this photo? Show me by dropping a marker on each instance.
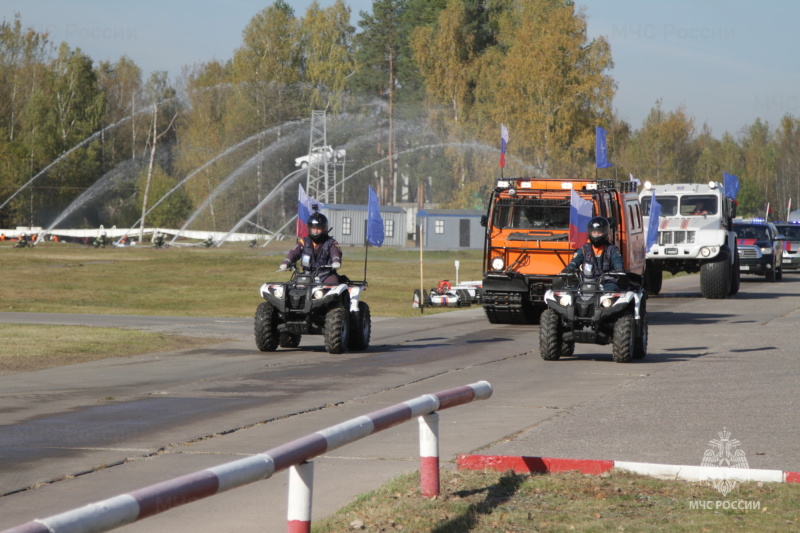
(724, 453)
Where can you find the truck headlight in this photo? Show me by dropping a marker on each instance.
(498, 263)
(766, 251)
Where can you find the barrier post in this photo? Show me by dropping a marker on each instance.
(429, 455)
(301, 486)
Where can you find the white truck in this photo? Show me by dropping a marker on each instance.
(695, 234)
(318, 156)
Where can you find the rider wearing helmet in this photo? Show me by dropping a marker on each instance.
(317, 250)
(599, 255)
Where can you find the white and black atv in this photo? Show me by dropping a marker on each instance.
(582, 312)
(305, 306)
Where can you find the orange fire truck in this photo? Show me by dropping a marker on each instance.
(527, 239)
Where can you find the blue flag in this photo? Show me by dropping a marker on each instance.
(374, 220)
(730, 185)
(652, 226)
(600, 150)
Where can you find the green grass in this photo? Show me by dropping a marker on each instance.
(70, 278)
(484, 502)
(29, 347)
(178, 281)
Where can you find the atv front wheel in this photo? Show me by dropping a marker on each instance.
(567, 349)
(624, 339)
(289, 340)
(337, 326)
(266, 327)
(549, 336)
(360, 328)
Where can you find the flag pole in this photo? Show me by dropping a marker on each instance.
(366, 253)
(421, 278)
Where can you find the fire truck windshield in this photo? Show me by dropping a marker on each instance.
(531, 213)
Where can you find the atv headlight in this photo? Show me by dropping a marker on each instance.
(319, 293)
(608, 301)
(498, 263)
(565, 300)
(277, 291)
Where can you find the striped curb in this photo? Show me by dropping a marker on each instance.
(545, 465)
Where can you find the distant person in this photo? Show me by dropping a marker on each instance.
(598, 256)
(158, 239)
(701, 208)
(22, 241)
(317, 250)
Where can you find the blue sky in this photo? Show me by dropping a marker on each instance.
(726, 61)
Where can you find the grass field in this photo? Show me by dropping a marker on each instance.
(178, 281)
(195, 281)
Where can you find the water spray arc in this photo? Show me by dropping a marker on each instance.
(278, 188)
(87, 140)
(213, 160)
(235, 175)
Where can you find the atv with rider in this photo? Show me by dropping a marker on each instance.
(594, 310)
(306, 305)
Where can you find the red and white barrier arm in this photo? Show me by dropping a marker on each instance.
(133, 506)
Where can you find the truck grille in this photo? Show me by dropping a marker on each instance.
(675, 237)
(748, 252)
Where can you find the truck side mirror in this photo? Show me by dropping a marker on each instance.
(484, 220)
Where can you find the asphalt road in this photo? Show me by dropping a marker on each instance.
(77, 434)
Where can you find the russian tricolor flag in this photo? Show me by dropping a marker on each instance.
(503, 143)
(580, 213)
(304, 204)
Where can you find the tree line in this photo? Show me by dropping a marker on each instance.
(416, 96)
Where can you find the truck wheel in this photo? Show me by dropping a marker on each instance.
(715, 278)
(653, 278)
(624, 339)
(360, 328)
(266, 327)
(337, 326)
(549, 336)
(735, 275)
(289, 340)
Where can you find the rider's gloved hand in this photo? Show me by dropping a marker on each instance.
(283, 266)
(568, 270)
(336, 265)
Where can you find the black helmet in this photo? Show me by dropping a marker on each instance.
(598, 225)
(318, 220)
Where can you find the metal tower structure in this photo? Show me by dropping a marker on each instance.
(317, 185)
(322, 162)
